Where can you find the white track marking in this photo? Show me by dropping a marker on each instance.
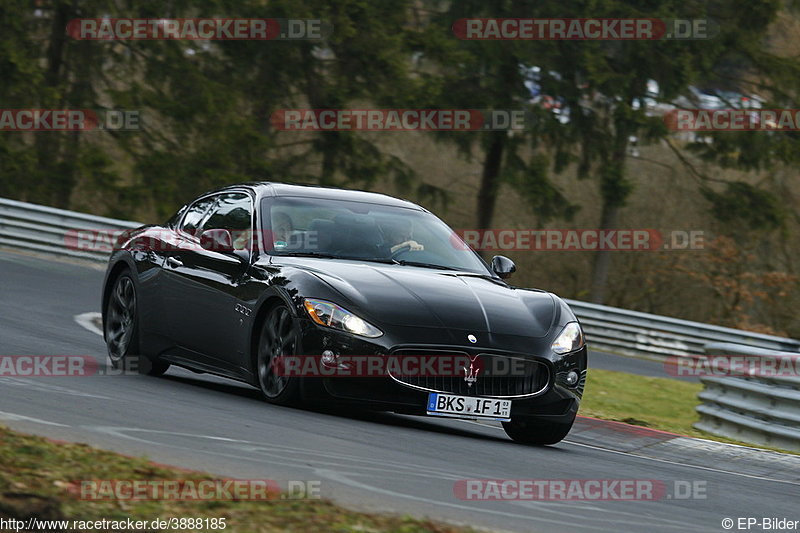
(13, 417)
(326, 464)
(86, 320)
(666, 461)
(539, 507)
(42, 386)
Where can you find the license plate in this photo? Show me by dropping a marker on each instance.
(469, 407)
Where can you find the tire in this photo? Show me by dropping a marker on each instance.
(538, 433)
(121, 329)
(279, 337)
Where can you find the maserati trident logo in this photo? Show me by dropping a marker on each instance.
(471, 373)
(471, 338)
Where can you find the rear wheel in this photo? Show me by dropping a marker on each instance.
(539, 433)
(122, 328)
(279, 338)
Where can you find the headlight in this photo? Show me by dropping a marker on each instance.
(331, 315)
(569, 340)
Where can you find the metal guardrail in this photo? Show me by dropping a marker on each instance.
(760, 409)
(44, 229)
(635, 333)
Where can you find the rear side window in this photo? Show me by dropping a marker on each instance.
(195, 215)
(233, 212)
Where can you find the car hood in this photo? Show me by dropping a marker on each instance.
(413, 296)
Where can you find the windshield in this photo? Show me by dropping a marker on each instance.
(342, 229)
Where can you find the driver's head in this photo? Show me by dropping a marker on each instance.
(282, 227)
(398, 231)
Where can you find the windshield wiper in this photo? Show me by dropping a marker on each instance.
(391, 261)
(423, 265)
(311, 254)
(382, 260)
(324, 255)
(482, 276)
(403, 262)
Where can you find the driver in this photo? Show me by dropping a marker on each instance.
(282, 229)
(401, 233)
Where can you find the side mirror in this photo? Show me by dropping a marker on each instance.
(503, 266)
(217, 240)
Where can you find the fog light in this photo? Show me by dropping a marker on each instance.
(329, 358)
(572, 378)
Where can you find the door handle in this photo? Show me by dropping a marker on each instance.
(174, 262)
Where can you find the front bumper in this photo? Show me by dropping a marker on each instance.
(557, 401)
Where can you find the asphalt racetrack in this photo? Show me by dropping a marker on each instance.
(373, 461)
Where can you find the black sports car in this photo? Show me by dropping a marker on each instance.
(292, 288)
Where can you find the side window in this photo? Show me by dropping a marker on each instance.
(195, 214)
(233, 212)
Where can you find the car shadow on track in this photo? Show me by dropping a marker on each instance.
(215, 383)
(242, 390)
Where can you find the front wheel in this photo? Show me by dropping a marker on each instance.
(539, 433)
(122, 329)
(279, 338)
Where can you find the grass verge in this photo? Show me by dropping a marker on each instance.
(658, 403)
(38, 479)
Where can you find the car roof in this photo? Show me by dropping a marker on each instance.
(272, 188)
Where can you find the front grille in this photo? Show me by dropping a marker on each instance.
(501, 376)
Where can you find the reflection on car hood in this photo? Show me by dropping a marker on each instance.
(413, 296)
